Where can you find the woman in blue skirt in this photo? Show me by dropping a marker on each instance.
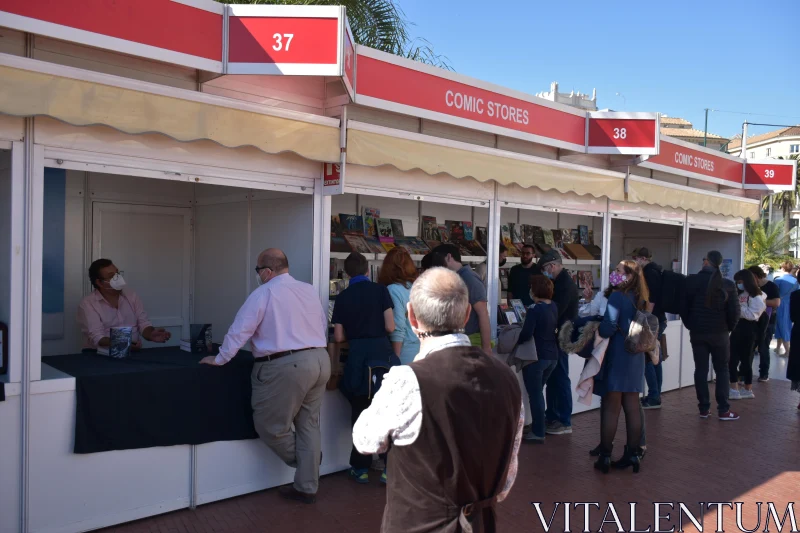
(787, 284)
(621, 376)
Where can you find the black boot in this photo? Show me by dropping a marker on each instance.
(629, 458)
(603, 462)
(594, 452)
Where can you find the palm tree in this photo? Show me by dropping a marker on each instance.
(379, 24)
(786, 201)
(765, 244)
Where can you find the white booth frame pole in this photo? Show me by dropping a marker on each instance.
(605, 257)
(322, 253)
(493, 259)
(32, 301)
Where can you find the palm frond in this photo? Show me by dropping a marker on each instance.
(765, 244)
(379, 24)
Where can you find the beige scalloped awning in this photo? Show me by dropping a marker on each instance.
(82, 103)
(429, 154)
(655, 194)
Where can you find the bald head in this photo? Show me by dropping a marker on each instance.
(439, 301)
(274, 259)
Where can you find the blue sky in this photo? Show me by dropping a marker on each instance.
(676, 57)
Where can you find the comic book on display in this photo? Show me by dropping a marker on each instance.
(583, 231)
(482, 237)
(516, 236)
(385, 233)
(575, 236)
(444, 233)
(566, 236)
(504, 279)
(505, 237)
(557, 242)
(370, 215)
(397, 228)
(338, 242)
(413, 245)
(469, 234)
(591, 237)
(119, 345)
(548, 238)
(585, 279)
(519, 309)
(200, 339)
(358, 244)
(526, 230)
(375, 245)
(538, 235)
(474, 248)
(430, 229)
(456, 232)
(352, 224)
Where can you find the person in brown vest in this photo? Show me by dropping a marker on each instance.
(452, 421)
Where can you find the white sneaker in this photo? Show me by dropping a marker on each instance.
(780, 351)
(746, 394)
(734, 395)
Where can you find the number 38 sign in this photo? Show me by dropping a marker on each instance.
(622, 133)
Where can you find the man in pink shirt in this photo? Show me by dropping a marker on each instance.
(288, 329)
(112, 305)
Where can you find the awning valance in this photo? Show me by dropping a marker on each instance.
(30, 93)
(374, 146)
(668, 195)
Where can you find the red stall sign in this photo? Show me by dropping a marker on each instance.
(332, 179)
(622, 133)
(349, 70)
(182, 33)
(772, 175)
(285, 40)
(388, 82)
(696, 162)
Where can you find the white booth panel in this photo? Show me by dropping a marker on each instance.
(702, 241)
(152, 245)
(418, 183)
(719, 222)
(178, 155)
(12, 128)
(71, 493)
(663, 240)
(221, 265)
(134, 189)
(647, 212)
(444, 212)
(5, 235)
(228, 469)
(544, 219)
(671, 369)
(287, 223)
(536, 197)
(10, 462)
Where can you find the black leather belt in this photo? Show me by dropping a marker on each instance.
(278, 355)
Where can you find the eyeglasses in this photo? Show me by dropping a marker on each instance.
(117, 275)
(259, 269)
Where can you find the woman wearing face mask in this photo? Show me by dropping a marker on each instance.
(540, 324)
(619, 381)
(753, 303)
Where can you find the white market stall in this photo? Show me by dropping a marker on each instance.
(218, 149)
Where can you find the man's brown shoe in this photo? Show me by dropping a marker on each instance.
(291, 493)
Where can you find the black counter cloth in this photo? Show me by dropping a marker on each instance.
(157, 397)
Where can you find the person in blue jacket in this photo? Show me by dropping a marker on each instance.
(619, 381)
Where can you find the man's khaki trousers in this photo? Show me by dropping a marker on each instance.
(289, 391)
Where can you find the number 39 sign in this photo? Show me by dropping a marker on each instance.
(288, 40)
(770, 174)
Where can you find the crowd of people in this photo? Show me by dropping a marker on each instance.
(424, 382)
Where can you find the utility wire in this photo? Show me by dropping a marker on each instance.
(756, 114)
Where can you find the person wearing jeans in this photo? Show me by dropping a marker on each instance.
(540, 325)
(710, 312)
(767, 320)
(654, 376)
(559, 387)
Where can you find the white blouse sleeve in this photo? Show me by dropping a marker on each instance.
(753, 308)
(395, 415)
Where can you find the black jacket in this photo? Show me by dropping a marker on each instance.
(721, 317)
(652, 275)
(673, 291)
(565, 295)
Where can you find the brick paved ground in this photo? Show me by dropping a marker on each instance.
(756, 459)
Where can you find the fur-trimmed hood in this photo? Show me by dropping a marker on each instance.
(583, 342)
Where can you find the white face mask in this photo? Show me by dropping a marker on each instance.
(259, 281)
(117, 282)
(530, 293)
